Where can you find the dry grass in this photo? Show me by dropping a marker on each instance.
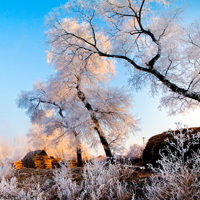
(26, 177)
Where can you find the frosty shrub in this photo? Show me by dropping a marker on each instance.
(6, 171)
(66, 187)
(9, 190)
(100, 180)
(178, 176)
(34, 193)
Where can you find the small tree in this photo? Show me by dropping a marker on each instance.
(46, 109)
(135, 153)
(81, 105)
(144, 34)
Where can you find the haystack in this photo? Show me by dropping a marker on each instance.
(157, 143)
(39, 159)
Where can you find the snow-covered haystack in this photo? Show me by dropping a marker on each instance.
(155, 144)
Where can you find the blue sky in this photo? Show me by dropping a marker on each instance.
(23, 62)
(22, 57)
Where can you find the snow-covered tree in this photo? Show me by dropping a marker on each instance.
(80, 103)
(48, 115)
(135, 152)
(5, 151)
(145, 34)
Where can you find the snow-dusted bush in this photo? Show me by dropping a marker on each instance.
(9, 190)
(179, 175)
(6, 171)
(100, 180)
(34, 193)
(66, 187)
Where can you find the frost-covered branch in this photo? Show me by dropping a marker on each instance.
(132, 31)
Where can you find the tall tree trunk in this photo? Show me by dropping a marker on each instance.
(78, 148)
(97, 127)
(79, 157)
(102, 138)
